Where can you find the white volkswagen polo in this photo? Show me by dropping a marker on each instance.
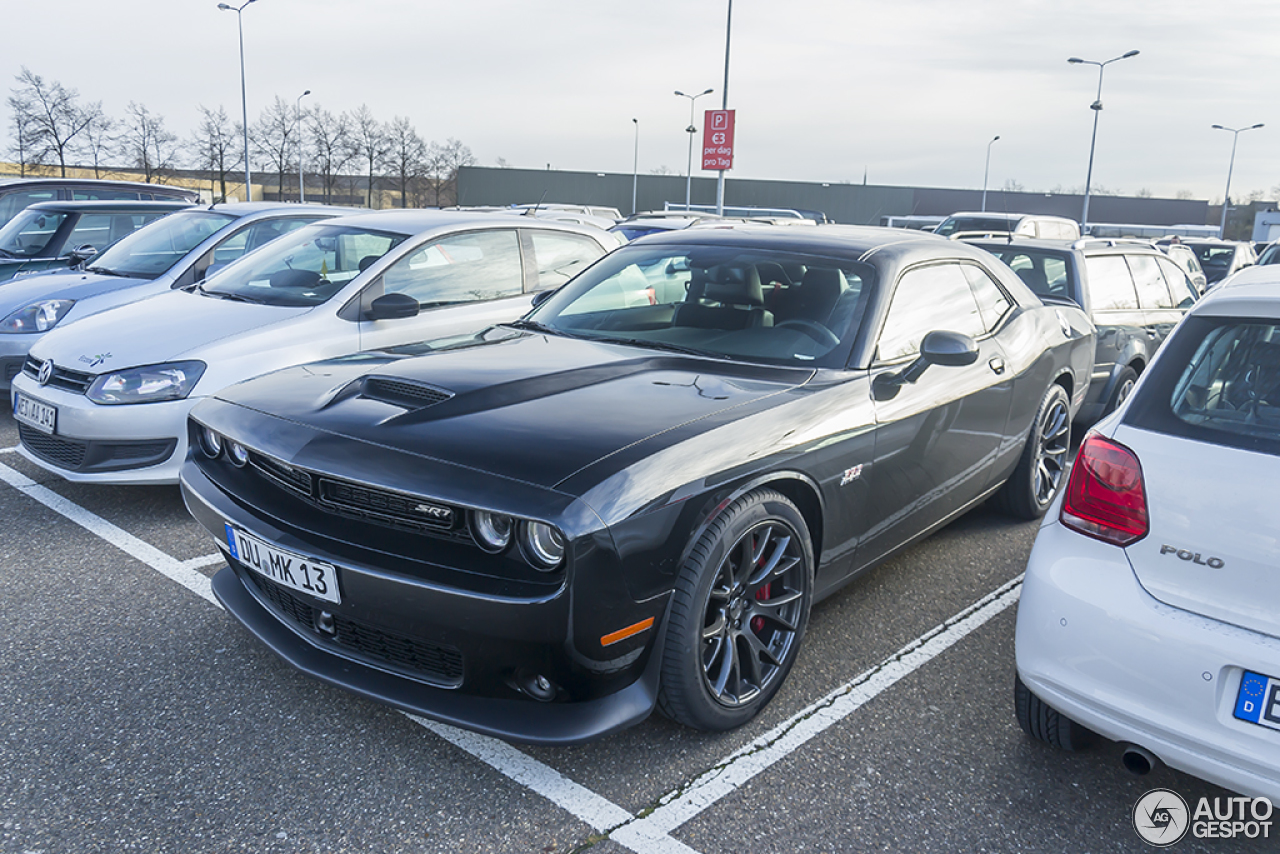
(106, 398)
(1150, 613)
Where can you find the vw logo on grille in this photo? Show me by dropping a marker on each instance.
(46, 371)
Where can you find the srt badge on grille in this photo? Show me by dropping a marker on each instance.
(439, 514)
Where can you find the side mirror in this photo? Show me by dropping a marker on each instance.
(542, 296)
(392, 307)
(947, 349)
(82, 253)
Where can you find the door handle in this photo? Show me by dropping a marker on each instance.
(997, 365)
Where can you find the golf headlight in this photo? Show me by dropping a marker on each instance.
(38, 317)
(492, 531)
(149, 384)
(542, 544)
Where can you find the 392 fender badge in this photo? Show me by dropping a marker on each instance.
(851, 475)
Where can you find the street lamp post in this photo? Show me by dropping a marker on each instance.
(1096, 106)
(297, 129)
(1226, 196)
(244, 101)
(691, 130)
(635, 167)
(987, 172)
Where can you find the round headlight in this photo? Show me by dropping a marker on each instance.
(492, 531)
(543, 545)
(238, 453)
(210, 443)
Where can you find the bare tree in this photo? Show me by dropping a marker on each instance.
(24, 137)
(52, 116)
(443, 163)
(371, 142)
(332, 147)
(99, 140)
(147, 145)
(406, 156)
(215, 146)
(273, 135)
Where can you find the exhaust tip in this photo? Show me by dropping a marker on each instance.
(1138, 760)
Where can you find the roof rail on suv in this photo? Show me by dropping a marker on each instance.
(1086, 242)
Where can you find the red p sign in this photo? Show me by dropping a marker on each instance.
(717, 140)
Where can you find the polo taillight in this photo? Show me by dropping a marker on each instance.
(1105, 497)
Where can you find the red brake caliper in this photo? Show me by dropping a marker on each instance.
(762, 595)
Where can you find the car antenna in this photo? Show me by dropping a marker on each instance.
(534, 210)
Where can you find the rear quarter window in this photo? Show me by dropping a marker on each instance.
(1217, 381)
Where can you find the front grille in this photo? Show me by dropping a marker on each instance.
(67, 453)
(63, 378)
(435, 663)
(394, 507)
(285, 475)
(400, 393)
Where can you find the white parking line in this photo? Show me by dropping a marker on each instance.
(739, 767)
(12, 450)
(650, 832)
(121, 539)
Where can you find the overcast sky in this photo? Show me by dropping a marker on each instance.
(907, 92)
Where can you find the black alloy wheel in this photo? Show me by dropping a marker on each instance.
(1042, 468)
(739, 612)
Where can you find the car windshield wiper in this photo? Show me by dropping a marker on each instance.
(230, 296)
(535, 326)
(5, 253)
(655, 345)
(107, 272)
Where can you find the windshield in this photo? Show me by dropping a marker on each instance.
(722, 301)
(956, 224)
(304, 267)
(29, 234)
(150, 252)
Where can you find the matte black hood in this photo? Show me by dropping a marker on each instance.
(527, 406)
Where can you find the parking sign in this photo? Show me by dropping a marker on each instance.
(717, 140)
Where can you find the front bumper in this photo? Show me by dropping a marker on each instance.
(138, 444)
(1094, 645)
(478, 646)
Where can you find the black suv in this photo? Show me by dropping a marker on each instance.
(1133, 292)
(1219, 258)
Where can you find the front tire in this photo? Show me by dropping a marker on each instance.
(1124, 385)
(738, 613)
(1042, 467)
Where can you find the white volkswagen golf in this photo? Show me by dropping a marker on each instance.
(106, 398)
(1150, 612)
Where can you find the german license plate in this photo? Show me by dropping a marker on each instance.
(305, 575)
(35, 413)
(1258, 700)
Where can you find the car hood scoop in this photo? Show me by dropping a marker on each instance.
(530, 407)
(1213, 540)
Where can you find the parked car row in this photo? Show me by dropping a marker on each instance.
(500, 471)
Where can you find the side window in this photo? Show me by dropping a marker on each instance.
(248, 239)
(1180, 285)
(1152, 291)
(928, 299)
(478, 265)
(94, 229)
(993, 303)
(1110, 285)
(561, 256)
(99, 194)
(11, 203)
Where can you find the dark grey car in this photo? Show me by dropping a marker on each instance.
(1131, 290)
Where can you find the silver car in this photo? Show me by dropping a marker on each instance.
(106, 399)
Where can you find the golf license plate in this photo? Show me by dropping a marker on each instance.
(35, 413)
(1258, 700)
(305, 575)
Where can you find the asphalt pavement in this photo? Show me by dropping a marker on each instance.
(137, 716)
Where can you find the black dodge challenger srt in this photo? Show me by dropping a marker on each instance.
(633, 496)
